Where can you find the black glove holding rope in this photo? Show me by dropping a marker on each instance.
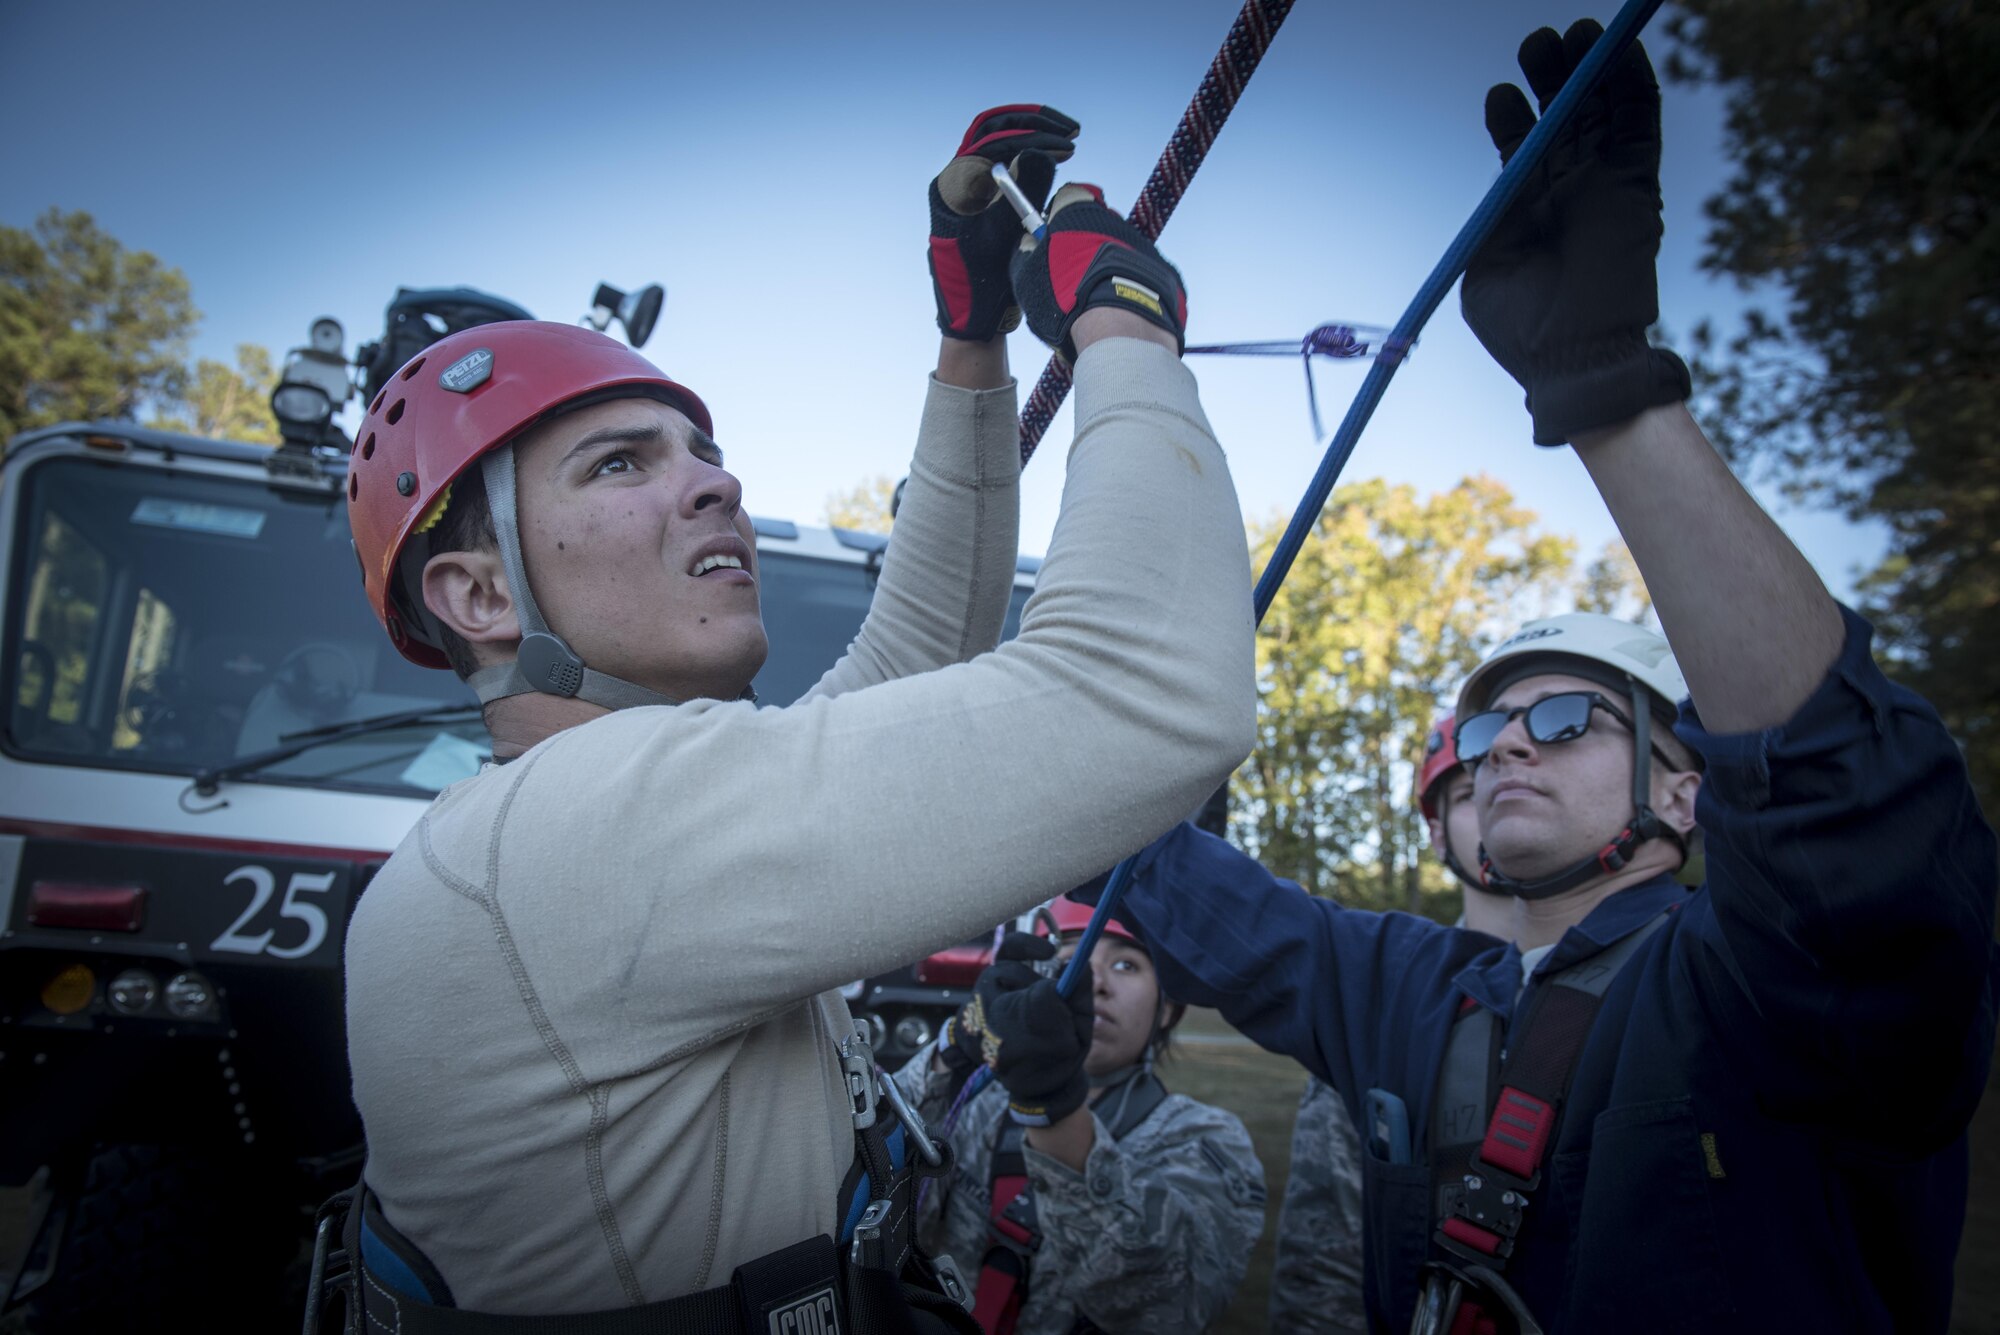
(973, 231)
(1033, 1037)
(1092, 257)
(1563, 291)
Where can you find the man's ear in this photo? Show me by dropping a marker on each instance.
(1673, 797)
(467, 591)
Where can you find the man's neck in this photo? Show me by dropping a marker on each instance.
(520, 722)
(1542, 922)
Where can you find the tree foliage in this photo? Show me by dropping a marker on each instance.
(864, 506)
(88, 329)
(230, 403)
(1866, 143)
(1393, 600)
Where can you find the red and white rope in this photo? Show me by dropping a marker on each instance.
(1228, 75)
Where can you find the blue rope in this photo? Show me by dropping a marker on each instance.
(1621, 33)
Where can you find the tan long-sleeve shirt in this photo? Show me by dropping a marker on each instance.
(589, 1007)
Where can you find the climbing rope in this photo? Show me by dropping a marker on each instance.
(1228, 75)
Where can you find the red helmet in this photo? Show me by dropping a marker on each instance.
(460, 398)
(1440, 759)
(1063, 916)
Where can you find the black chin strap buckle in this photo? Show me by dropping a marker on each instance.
(549, 665)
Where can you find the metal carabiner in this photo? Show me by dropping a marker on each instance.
(913, 1125)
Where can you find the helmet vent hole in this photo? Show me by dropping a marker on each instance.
(412, 369)
(368, 446)
(353, 486)
(376, 406)
(396, 411)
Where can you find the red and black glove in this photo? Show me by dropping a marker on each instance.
(1092, 257)
(1563, 291)
(974, 231)
(1033, 1037)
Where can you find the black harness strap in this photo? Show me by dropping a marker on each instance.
(1494, 1121)
(876, 1283)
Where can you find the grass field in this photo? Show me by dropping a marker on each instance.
(1217, 1067)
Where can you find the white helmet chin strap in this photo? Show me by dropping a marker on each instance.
(544, 663)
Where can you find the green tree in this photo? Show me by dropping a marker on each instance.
(1612, 586)
(232, 403)
(1865, 138)
(1391, 603)
(88, 329)
(864, 506)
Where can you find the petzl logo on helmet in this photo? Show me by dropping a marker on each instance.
(1533, 633)
(814, 1314)
(468, 372)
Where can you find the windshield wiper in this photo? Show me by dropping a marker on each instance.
(209, 778)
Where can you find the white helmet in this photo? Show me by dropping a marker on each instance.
(1628, 650)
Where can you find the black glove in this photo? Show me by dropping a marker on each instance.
(974, 231)
(1034, 1038)
(960, 1042)
(1093, 257)
(1563, 291)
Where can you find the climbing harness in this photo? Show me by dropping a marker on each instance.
(1622, 31)
(1481, 1184)
(1335, 340)
(874, 1281)
(1012, 1234)
(1228, 75)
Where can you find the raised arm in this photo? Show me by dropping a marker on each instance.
(1298, 974)
(949, 571)
(1845, 944)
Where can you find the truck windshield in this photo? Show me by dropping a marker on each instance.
(173, 622)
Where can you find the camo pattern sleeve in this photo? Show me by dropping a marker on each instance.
(1155, 1233)
(928, 1090)
(1316, 1276)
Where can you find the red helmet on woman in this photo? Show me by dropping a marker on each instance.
(462, 398)
(1063, 916)
(1440, 759)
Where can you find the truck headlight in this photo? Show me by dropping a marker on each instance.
(133, 992)
(189, 997)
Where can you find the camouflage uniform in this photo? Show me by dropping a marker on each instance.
(1154, 1235)
(1316, 1276)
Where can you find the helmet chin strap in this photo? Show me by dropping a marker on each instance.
(544, 662)
(1615, 855)
(1450, 858)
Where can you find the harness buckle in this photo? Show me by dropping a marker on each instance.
(857, 1064)
(867, 1249)
(951, 1280)
(1481, 1213)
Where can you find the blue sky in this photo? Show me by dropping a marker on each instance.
(768, 164)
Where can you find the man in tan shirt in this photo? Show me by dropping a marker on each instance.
(591, 1012)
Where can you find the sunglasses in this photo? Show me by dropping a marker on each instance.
(1553, 718)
